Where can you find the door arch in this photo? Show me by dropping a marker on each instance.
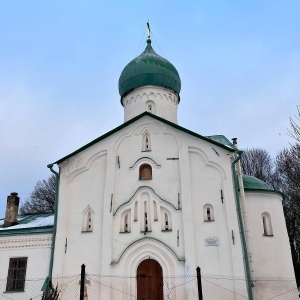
(149, 280)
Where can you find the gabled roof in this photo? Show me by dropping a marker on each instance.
(218, 140)
(31, 223)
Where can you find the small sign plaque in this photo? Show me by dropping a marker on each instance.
(212, 241)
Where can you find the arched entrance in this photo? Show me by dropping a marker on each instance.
(149, 280)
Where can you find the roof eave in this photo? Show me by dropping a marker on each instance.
(34, 230)
(265, 191)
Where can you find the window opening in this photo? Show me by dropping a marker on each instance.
(146, 142)
(150, 107)
(89, 227)
(208, 212)
(267, 224)
(145, 172)
(16, 274)
(166, 222)
(146, 217)
(87, 221)
(126, 223)
(125, 220)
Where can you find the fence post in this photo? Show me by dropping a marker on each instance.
(82, 279)
(199, 283)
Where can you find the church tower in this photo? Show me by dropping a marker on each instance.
(150, 83)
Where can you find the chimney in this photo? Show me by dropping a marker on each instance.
(12, 207)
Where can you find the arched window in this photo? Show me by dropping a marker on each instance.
(125, 225)
(87, 220)
(146, 228)
(146, 213)
(150, 107)
(208, 213)
(146, 142)
(145, 172)
(166, 220)
(267, 224)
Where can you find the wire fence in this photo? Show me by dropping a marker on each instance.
(175, 287)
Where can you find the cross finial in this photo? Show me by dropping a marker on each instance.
(148, 25)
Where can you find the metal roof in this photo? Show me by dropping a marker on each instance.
(149, 68)
(29, 223)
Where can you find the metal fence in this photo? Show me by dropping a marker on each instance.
(175, 287)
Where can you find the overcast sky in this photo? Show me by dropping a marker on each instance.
(60, 61)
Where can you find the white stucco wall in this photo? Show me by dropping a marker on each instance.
(163, 101)
(267, 249)
(271, 255)
(108, 172)
(36, 247)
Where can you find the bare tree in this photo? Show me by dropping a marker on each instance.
(295, 128)
(42, 198)
(288, 169)
(258, 163)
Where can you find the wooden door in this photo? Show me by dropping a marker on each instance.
(149, 280)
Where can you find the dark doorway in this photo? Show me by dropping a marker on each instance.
(149, 280)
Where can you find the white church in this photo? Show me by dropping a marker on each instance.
(151, 198)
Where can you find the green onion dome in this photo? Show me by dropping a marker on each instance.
(149, 69)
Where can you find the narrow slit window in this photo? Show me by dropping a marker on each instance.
(208, 212)
(88, 219)
(146, 142)
(146, 216)
(166, 222)
(267, 224)
(150, 107)
(89, 222)
(125, 221)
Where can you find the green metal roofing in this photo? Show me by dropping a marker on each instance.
(254, 184)
(211, 139)
(222, 140)
(30, 223)
(149, 68)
